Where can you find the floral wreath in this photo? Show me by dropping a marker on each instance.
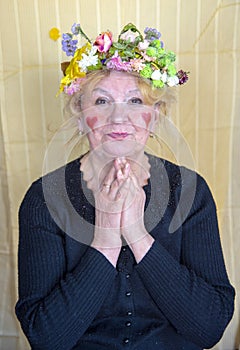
(132, 52)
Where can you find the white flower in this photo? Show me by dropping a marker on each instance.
(129, 35)
(164, 77)
(89, 59)
(143, 45)
(172, 81)
(157, 75)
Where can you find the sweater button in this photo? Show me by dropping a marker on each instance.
(127, 275)
(128, 324)
(128, 294)
(129, 313)
(126, 340)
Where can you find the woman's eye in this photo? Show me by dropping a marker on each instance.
(101, 101)
(136, 100)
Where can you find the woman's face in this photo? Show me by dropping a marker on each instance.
(114, 116)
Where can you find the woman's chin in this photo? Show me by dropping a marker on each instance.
(123, 148)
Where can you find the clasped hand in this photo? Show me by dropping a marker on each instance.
(119, 206)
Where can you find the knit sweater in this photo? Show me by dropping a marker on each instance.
(71, 297)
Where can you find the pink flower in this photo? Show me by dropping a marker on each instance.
(74, 86)
(137, 64)
(104, 41)
(147, 58)
(143, 45)
(116, 63)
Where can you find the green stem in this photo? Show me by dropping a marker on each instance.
(84, 35)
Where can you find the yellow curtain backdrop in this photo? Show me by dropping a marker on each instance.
(206, 37)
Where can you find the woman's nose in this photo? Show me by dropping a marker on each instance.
(119, 113)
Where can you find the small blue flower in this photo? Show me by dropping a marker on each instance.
(67, 36)
(76, 28)
(68, 45)
(151, 34)
(74, 42)
(69, 52)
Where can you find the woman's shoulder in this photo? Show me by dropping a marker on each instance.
(187, 191)
(52, 182)
(174, 171)
(180, 178)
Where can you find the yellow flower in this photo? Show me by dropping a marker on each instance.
(54, 33)
(73, 70)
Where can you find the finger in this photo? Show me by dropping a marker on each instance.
(134, 197)
(123, 179)
(106, 187)
(119, 163)
(126, 170)
(124, 188)
(134, 180)
(112, 189)
(122, 170)
(107, 181)
(116, 186)
(120, 177)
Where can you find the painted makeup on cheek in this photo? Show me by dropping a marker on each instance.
(91, 122)
(147, 118)
(141, 120)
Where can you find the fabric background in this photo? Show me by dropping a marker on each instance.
(206, 37)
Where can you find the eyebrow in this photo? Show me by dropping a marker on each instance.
(109, 94)
(100, 90)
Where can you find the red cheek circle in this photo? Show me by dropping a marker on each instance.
(91, 121)
(147, 118)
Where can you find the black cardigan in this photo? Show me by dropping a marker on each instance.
(71, 297)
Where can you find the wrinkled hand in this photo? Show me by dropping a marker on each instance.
(132, 218)
(109, 201)
(120, 213)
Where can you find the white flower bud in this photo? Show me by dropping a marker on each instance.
(172, 81)
(156, 75)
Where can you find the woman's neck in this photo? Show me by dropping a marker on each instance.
(96, 166)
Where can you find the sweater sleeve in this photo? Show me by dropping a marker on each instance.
(194, 294)
(55, 307)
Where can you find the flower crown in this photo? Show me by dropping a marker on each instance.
(132, 52)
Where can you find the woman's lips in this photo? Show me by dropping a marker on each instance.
(118, 135)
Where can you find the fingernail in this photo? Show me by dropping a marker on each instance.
(120, 174)
(127, 169)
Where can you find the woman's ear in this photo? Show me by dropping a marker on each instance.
(75, 104)
(161, 108)
(153, 123)
(80, 125)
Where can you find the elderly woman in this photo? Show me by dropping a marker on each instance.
(119, 248)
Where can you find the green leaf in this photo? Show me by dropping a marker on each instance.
(119, 46)
(129, 53)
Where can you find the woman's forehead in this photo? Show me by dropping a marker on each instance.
(117, 81)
